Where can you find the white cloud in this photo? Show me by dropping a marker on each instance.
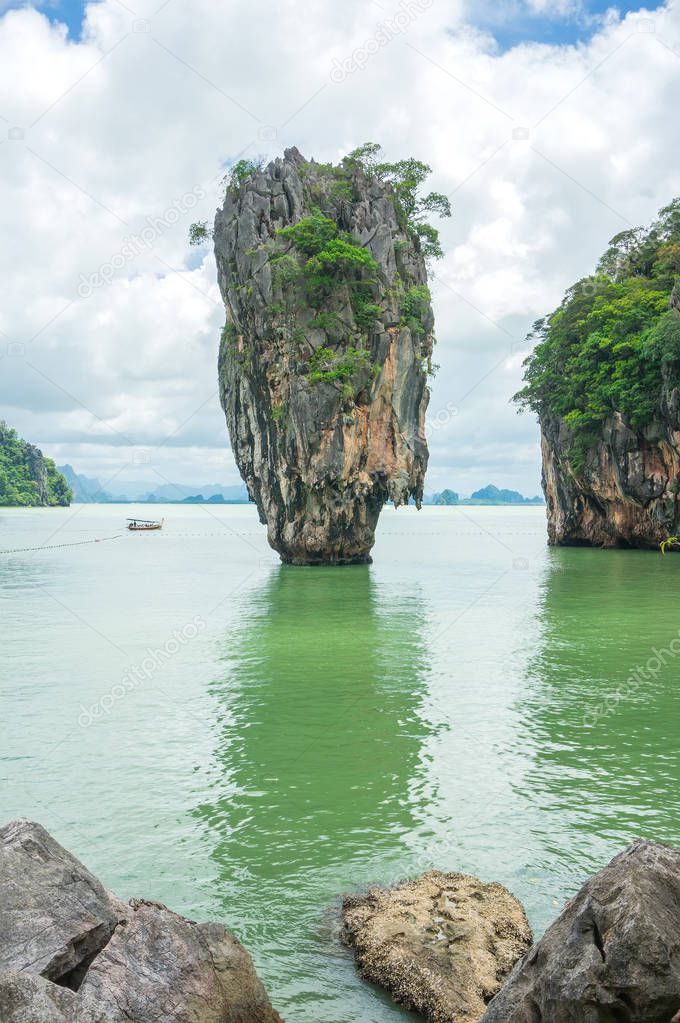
(545, 151)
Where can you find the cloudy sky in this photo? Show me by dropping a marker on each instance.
(551, 124)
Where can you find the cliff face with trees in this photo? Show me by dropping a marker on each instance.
(26, 476)
(604, 379)
(325, 353)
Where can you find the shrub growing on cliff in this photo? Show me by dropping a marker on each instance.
(241, 171)
(333, 259)
(406, 177)
(311, 234)
(414, 308)
(327, 365)
(199, 232)
(613, 344)
(366, 313)
(340, 261)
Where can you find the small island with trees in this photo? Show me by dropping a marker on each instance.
(27, 477)
(604, 380)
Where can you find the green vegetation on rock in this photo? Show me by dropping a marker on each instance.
(316, 263)
(333, 259)
(614, 343)
(327, 365)
(414, 307)
(406, 178)
(199, 232)
(27, 478)
(311, 234)
(241, 171)
(324, 262)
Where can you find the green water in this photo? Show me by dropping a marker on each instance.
(324, 729)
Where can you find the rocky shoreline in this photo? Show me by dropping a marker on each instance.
(453, 948)
(457, 950)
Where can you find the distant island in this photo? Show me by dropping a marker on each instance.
(487, 495)
(27, 477)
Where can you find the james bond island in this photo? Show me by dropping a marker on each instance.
(604, 379)
(327, 345)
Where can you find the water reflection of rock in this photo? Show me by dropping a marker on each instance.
(594, 779)
(318, 783)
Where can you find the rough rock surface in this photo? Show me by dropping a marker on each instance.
(628, 493)
(54, 914)
(320, 458)
(28, 998)
(155, 955)
(613, 954)
(70, 952)
(441, 944)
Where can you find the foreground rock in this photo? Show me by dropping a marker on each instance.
(70, 952)
(613, 954)
(441, 944)
(323, 362)
(157, 957)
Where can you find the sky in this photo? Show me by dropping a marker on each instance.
(551, 126)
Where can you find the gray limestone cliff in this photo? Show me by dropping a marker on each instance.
(627, 493)
(324, 356)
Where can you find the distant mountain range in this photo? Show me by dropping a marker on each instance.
(87, 490)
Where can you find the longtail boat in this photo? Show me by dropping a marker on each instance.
(143, 525)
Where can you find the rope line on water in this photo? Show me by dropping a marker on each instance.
(178, 536)
(56, 546)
